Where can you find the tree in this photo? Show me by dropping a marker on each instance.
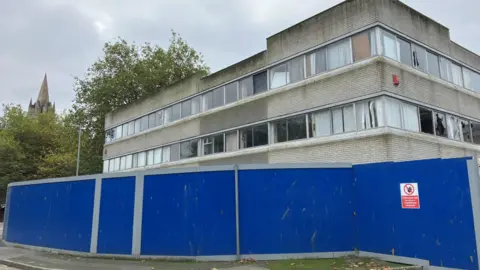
(124, 74)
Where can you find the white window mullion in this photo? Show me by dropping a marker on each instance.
(307, 125)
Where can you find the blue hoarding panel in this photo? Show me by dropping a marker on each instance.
(189, 214)
(441, 231)
(296, 210)
(115, 229)
(53, 215)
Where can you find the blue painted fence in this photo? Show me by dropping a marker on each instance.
(281, 210)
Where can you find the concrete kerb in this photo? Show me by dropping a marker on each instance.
(23, 266)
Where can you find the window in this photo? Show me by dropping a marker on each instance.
(176, 112)
(137, 125)
(471, 80)
(454, 128)
(475, 132)
(405, 51)
(166, 154)
(426, 120)
(343, 119)
(167, 115)
(246, 87)
(128, 162)
(322, 123)
(369, 114)
(105, 166)
(208, 100)
(339, 54)
(410, 117)
(316, 62)
(290, 129)
(363, 45)
(433, 68)
(295, 70)
(466, 133)
(196, 105)
(159, 118)
(144, 123)
(149, 157)
(186, 108)
(111, 165)
(152, 121)
(419, 58)
(175, 152)
(231, 93)
(135, 160)
(118, 132)
(125, 130)
(278, 76)
(440, 125)
(123, 163)
(389, 45)
(213, 144)
(393, 112)
(131, 127)
(157, 156)
(446, 69)
(207, 146)
(116, 164)
(141, 159)
(231, 141)
(260, 82)
(254, 136)
(218, 97)
(189, 149)
(108, 135)
(457, 76)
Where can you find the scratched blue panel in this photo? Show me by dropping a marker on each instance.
(115, 228)
(189, 214)
(54, 215)
(296, 211)
(441, 231)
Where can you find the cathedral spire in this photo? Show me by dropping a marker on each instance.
(43, 97)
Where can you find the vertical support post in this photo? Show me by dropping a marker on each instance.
(237, 217)
(138, 214)
(96, 214)
(78, 148)
(6, 213)
(474, 182)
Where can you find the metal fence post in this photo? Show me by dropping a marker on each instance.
(237, 218)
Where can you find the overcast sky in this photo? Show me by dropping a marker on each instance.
(64, 37)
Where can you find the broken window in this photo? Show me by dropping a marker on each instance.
(363, 45)
(369, 114)
(426, 121)
(339, 54)
(440, 125)
(475, 132)
(433, 68)
(454, 128)
(466, 133)
(316, 62)
(419, 58)
(189, 149)
(213, 144)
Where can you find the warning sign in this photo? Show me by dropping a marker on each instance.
(410, 197)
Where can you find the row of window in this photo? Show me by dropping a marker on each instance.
(378, 112)
(344, 52)
(420, 58)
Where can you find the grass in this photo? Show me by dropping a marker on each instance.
(347, 263)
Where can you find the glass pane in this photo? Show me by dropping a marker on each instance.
(150, 157)
(278, 76)
(208, 101)
(369, 114)
(207, 146)
(123, 163)
(419, 58)
(297, 128)
(323, 123)
(471, 80)
(118, 132)
(465, 127)
(157, 156)
(337, 116)
(446, 69)
(232, 142)
(175, 152)
(440, 125)
(410, 117)
(218, 145)
(246, 138)
(144, 123)
(260, 82)
(433, 68)
(426, 121)
(348, 118)
(131, 127)
(111, 165)
(176, 112)
(475, 132)
(116, 164)
(280, 131)
(105, 166)
(137, 125)
(128, 162)
(405, 52)
(260, 135)
(295, 70)
(196, 105)
(453, 128)
(141, 159)
(166, 154)
(362, 46)
(339, 54)
(246, 87)
(125, 130)
(231, 93)
(457, 76)
(159, 118)
(135, 160)
(218, 97)
(393, 117)
(189, 149)
(152, 121)
(389, 45)
(186, 108)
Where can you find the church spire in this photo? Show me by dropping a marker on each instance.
(43, 97)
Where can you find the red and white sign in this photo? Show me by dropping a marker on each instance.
(410, 197)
